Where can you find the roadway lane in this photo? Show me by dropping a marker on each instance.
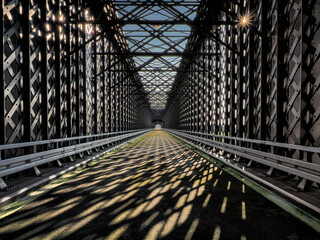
(153, 189)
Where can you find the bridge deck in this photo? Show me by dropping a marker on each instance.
(154, 188)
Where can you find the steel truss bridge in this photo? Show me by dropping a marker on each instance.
(238, 81)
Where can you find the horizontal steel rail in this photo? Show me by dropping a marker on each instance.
(301, 168)
(33, 160)
(59, 140)
(255, 141)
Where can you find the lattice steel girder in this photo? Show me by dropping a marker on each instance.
(160, 24)
(120, 22)
(159, 54)
(266, 82)
(2, 88)
(154, 3)
(158, 70)
(44, 71)
(280, 75)
(143, 11)
(25, 46)
(51, 79)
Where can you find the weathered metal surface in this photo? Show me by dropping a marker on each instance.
(266, 79)
(54, 83)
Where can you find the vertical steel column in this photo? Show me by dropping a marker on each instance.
(115, 94)
(123, 82)
(200, 91)
(264, 69)
(185, 105)
(44, 70)
(120, 97)
(206, 70)
(233, 80)
(95, 81)
(280, 118)
(250, 102)
(305, 78)
(310, 82)
(124, 101)
(77, 71)
(68, 68)
(117, 97)
(211, 77)
(118, 92)
(250, 87)
(114, 97)
(133, 117)
(120, 86)
(25, 48)
(131, 89)
(196, 81)
(188, 102)
(57, 54)
(3, 133)
(192, 98)
(84, 77)
(193, 94)
(241, 81)
(203, 88)
(2, 88)
(306, 84)
(104, 99)
(110, 83)
(128, 105)
(217, 90)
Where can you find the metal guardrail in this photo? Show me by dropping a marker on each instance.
(33, 160)
(244, 148)
(60, 140)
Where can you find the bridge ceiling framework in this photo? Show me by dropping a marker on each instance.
(259, 81)
(157, 33)
(54, 84)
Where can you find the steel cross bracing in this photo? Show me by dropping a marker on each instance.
(74, 68)
(64, 73)
(263, 81)
(157, 33)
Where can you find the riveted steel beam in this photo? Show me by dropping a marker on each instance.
(2, 90)
(26, 75)
(158, 54)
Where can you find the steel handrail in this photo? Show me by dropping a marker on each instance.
(58, 140)
(21, 163)
(248, 140)
(307, 170)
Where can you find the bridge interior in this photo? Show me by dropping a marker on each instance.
(171, 192)
(172, 119)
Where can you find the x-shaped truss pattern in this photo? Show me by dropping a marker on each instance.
(157, 32)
